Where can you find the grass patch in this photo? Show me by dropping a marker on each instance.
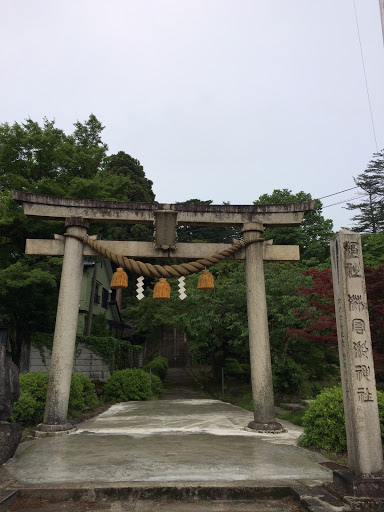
(295, 417)
(244, 401)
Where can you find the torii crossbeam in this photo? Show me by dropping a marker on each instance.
(79, 213)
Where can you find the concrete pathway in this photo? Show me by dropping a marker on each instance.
(178, 440)
(166, 441)
(180, 384)
(183, 447)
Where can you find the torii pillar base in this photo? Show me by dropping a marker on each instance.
(347, 483)
(266, 428)
(44, 430)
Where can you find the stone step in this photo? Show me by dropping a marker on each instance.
(6, 499)
(177, 498)
(158, 506)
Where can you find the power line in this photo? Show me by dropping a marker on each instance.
(335, 194)
(341, 202)
(365, 75)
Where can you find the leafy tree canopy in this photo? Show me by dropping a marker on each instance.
(314, 234)
(43, 159)
(212, 234)
(31, 155)
(373, 249)
(319, 314)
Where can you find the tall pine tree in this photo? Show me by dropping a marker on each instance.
(371, 181)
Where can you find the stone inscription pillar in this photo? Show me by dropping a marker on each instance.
(56, 407)
(260, 354)
(356, 362)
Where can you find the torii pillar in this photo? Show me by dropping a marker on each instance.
(259, 349)
(56, 406)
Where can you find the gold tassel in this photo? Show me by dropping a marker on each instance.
(205, 281)
(162, 290)
(119, 279)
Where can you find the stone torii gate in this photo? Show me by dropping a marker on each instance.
(79, 213)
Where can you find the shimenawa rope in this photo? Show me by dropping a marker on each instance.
(167, 271)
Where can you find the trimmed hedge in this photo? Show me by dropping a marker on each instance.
(29, 408)
(125, 385)
(324, 422)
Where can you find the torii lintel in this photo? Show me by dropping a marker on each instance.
(60, 208)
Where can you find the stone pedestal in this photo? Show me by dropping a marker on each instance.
(45, 430)
(10, 435)
(348, 484)
(260, 354)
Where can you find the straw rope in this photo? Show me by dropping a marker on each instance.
(167, 271)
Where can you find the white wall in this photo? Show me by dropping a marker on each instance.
(87, 363)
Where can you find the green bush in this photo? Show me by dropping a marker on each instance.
(158, 366)
(29, 408)
(288, 376)
(232, 367)
(82, 395)
(125, 385)
(76, 398)
(89, 391)
(156, 385)
(324, 423)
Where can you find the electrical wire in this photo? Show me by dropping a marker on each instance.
(335, 194)
(365, 76)
(345, 201)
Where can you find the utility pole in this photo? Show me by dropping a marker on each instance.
(381, 2)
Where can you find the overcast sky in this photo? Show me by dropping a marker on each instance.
(218, 99)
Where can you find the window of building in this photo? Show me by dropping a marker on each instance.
(104, 299)
(97, 294)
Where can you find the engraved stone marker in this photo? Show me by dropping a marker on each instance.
(356, 360)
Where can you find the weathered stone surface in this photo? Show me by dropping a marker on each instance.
(36, 205)
(135, 249)
(259, 349)
(45, 430)
(362, 422)
(351, 485)
(63, 350)
(270, 428)
(9, 384)
(10, 435)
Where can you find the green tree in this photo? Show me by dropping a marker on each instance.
(216, 321)
(28, 299)
(373, 249)
(43, 159)
(89, 149)
(371, 181)
(312, 236)
(123, 165)
(212, 234)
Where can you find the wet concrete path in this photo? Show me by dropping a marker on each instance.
(183, 437)
(181, 385)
